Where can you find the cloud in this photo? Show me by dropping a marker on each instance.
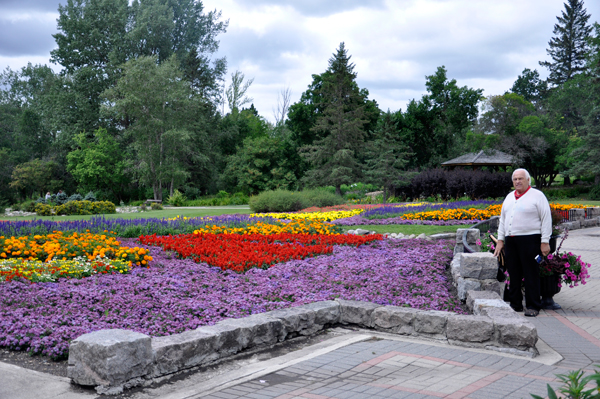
(394, 43)
(21, 38)
(31, 5)
(317, 8)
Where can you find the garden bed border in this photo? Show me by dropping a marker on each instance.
(112, 360)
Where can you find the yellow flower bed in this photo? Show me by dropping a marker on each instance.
(316, 216)
(566, 207)
(64, 247)
(293, 227)
(451, 214)
(37, 271)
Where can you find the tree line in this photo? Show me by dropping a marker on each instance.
(137, 111)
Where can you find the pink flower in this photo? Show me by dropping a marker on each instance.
(550, 256)
(567, 265)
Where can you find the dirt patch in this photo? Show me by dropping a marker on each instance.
(38, 363)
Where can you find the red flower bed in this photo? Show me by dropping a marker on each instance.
(240, 252)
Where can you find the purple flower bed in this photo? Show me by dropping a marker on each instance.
(126, 227)
(178, 295)
(360, 220)
(386, 211)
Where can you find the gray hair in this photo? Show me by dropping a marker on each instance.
(522, 170)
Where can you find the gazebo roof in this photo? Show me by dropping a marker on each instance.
(482, 158)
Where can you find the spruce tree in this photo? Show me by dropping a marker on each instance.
(568, 48)
(387, 154)
(340, 128)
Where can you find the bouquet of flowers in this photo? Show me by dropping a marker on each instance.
(571, 269)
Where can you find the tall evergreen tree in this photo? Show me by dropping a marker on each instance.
(568, 48)
(334, 156)
(387, 154)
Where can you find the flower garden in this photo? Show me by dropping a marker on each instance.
(59, 280)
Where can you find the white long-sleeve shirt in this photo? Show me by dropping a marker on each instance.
(530, 214)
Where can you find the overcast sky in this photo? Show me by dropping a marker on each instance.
(394, 43)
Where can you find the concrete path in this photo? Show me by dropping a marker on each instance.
(366, 364)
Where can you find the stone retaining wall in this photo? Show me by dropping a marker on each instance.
(112, 360)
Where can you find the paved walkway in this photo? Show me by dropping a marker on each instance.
(365, 364)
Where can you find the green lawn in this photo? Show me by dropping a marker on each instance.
(165, 213)
(408, 229)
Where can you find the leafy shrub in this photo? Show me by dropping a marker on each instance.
(321, 197)
(15, 207)
(177, 199)
(43, 209)
(239, 199)
(28, 206)
(235, 199)
(40, 200)
(61, 198)
(156, 206)
(278, 201)
(90, 197)
(85, 208)
(565, 193)
(595, 192)
(222, 194)
(191, 192)
(75, 197)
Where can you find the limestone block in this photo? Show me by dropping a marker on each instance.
(431, 322)
(464, 285)
(357, 312)
(443, 236)
(326, 312)
(260, 329)
(474, 295)
(109, 358)
(295, 320)
(472, 235)
(577, 215)
(459, 248)
(499, 312)
(361, 232)
(515, 332)
(469, 328)
(395, 319)
(494, 286)
(589, 222)
(229, 339)
(181, 351)
(455, 267)
(479, 265)
(593, 212)
(479, 304)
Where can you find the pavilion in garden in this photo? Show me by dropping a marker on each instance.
(492, 159)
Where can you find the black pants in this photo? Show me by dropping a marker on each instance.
(520, 253)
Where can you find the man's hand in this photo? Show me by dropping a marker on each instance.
(499, 246)
(545, 247)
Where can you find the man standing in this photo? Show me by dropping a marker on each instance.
(524, 232)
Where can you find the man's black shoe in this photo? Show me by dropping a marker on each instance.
(549, 304)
